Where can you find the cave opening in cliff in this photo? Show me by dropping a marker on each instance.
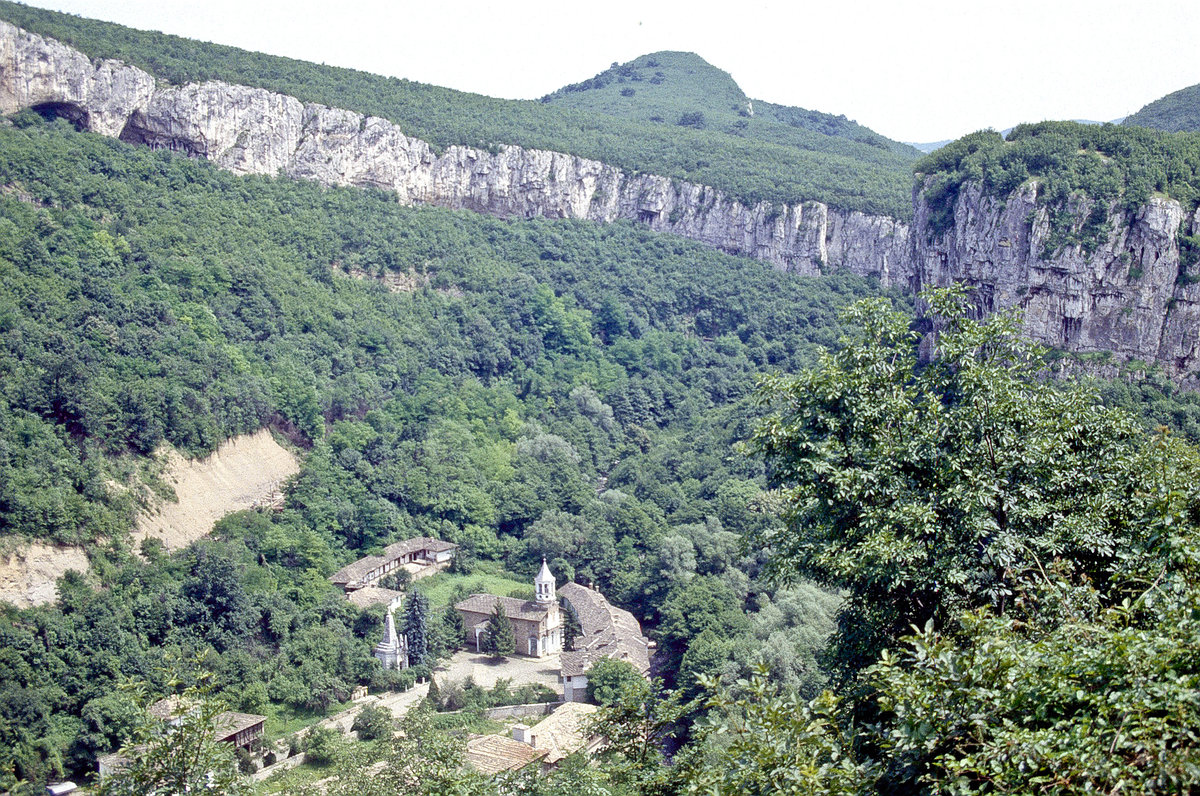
(63, 110)
(138, 130)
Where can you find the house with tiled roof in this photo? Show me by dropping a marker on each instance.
(537, 623)
(423, 555)
(562, 733)
(495, 754)
(241, 730)
(376, 595)
(605, 632)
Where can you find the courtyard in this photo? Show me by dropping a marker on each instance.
(486, 671)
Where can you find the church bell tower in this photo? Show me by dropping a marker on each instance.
(544, 585)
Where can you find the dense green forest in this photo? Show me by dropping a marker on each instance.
(1106, 164)
(1021, 567)
(1176, 112)
(551, 389)
(872, 562)
(789, 167)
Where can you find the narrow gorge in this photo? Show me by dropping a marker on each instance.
(1129, 295)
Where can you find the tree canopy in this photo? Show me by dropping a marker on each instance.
(498, 638)
(1022, 575)
(927, 488)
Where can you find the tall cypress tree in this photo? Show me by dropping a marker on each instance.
(571, 628)
(416, 628)
(499, 640)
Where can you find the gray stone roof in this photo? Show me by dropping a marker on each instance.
(514, 607)
(373, 595)
(427, 543)
(562, 732)
(491, 754)
(363, 566)
(169, 708)
(607, 632)
(229, 724)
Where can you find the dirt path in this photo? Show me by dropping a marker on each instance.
(244, 472)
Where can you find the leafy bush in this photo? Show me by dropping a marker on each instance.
(373, 722)
(324, 746)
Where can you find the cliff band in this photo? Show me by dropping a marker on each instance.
(1128, 296)
(254, 131)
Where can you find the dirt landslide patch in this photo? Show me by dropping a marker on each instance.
(28, 573)
(245, 472)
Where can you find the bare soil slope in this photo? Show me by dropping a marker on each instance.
(245, 472)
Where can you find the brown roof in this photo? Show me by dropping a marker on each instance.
(514, 607)
(230, 723)
(607, 632)
(363, 566)
(373, 595)
(562, 732)
(491, 754)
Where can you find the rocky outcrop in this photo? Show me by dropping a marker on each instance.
(41, 73)
(1126, 295)
(253, 131)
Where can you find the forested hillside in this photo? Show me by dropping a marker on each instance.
(1101, 163)
(535, 389)
(801, 166)
(1178, 111)
(872, 561)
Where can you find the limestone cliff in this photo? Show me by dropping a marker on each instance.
(253, 131)
(1126, 296)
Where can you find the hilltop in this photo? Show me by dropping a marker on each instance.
(1177, 112)
(683, 89)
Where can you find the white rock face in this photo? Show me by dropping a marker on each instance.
(242, 129)
(41, 72)
(252, 131)
(1126, 296)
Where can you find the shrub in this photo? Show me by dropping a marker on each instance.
(245, 761)
(324, 746)
(373, 722)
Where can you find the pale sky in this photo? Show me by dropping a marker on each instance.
(914, 71)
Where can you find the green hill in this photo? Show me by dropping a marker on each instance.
(788, 167)
(147, 297)
(683, 89)
(660, 87)
(1176, 112)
